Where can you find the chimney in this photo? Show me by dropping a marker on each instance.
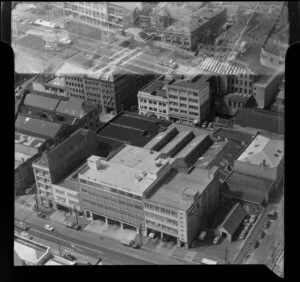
(264, 163)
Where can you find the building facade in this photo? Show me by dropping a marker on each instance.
(200, 27)
(54, 165)
(190, 100)
(109, 17)
(111, 93)
(266, 88)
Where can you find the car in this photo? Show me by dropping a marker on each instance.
(202, 235)
(252, 218)
(216, 240)
(210, 125)
(26, 235)
(136, 246)
(246, 228)
(76, 227)
(49, 227)
(267, 224)
(272, 214)
(41, 215)
(152, 235)
(70, 257)
(242, 235)
(204, 124)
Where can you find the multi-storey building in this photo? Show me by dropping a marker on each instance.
(27, 150)
(190, 100)
(54, 165)
(120, 198)
(266, 88)
(153, 100)
(198, 26)
(114, 90)
(179, 206)
(109, 17)
(241, 83)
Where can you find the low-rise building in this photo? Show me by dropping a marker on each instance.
(263, 158)
(72, 111)
(153, 100)
(29, 252)
(55, 86)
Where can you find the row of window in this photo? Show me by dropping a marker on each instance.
(162, 227)
(161, 218)
(112, 190)
(159, 209)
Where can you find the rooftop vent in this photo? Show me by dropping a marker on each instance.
(138, 178)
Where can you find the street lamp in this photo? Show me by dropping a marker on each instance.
(75, 211)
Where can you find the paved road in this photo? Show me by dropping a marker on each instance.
(84, 247)
(111, 248)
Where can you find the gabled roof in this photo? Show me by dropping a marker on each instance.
(234, 218)
(41, 102)
(38, 127)
(264, 149)
(259, 119)
(72, 107)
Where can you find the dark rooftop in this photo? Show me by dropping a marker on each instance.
(37, 127)
(134, 129)
(41, 102)
(260, 119)
(196, 83)
(75, 107)
(237, 97)
(233, 135)
(234, 218)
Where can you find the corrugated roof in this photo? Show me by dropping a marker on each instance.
(234, 218)
(258, 119)
(41, 102)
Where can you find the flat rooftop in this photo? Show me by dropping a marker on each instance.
(233, 135)
(28, 141)
(169, 191)
(133, 129)
(119, 176)
(41, 102)
(138, 158)
(264, 149)
(28, 249)
(197, 83)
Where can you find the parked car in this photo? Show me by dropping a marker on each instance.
(49, 227)
(136, 246)
(252, 218)
(216, 240)
(210, 125)
(204, 124)
(76, 227)
(41, 215)
(152, 235)
(246, 228)
(26, 235)
(242, 235)
(70, 257)
(202, 235)
(272, 214)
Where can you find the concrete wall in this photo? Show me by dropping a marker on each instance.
(207, 204)
(255, 170)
